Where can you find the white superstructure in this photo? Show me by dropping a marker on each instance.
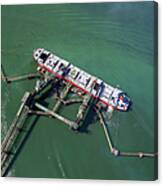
(110, 96)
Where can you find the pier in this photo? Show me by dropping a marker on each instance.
(107, 135)
(3, 74)
(22, 77)
(71, 101)
(114, 150)
(17, 131)
(8, 79)
(83, 108)
(55, 115)
(10, 144)
(31, 104)
(63, 95)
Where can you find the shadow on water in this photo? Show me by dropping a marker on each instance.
(54, 89)
(130, 108)
(27, 135)
(90, 118)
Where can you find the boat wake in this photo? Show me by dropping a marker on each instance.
(60, 165)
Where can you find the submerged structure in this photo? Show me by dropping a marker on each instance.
(61, 78)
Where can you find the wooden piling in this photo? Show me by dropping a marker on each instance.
(13, 134)
(3, 75)
(107, 135)
(22, 77)
(138, 154)
(59, 117)
(117, 152)
(63, 95)
(71, 101)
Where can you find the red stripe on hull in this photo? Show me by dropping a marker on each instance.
(74, 84)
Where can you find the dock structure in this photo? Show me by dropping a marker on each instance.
(70, 123)
(138, 154)
(8, 79)
(63, 95)
(10, 143)
(71, 101)
(22, 77)
(83, 108)
(3, 75)
(14, 137)
(107, 135)
(114, 150)
(89, 91)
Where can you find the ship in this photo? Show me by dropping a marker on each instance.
(111, 97)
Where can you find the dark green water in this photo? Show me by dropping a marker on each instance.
(113, 41)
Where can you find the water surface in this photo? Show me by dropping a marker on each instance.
(113, 41)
